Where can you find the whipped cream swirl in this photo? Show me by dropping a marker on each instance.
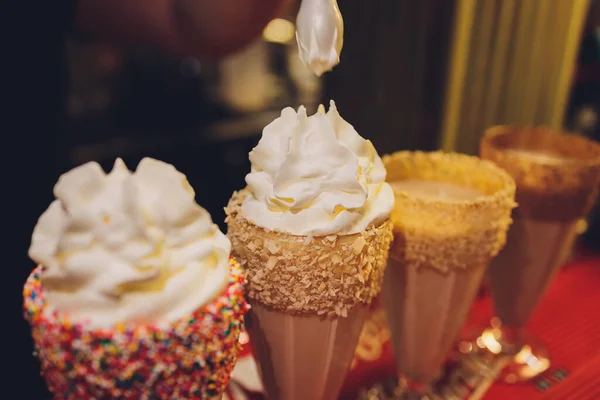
(128, 247)
(316, 176)
(320, 34)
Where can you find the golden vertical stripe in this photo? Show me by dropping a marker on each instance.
(510, 62)
(513, 100)
(461, 40)
(536, 65)
(499, 61)
(562, 15)
(555, 35)
(477, 74)
(565, 76)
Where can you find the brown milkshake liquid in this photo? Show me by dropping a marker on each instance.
(521, 273)
(429, 306)
(451, 216)
(303, 357)
(434, 190)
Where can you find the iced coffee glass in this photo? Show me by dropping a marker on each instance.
(451, 216)
(557, 176)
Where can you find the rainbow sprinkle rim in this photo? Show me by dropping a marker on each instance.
(191, 358)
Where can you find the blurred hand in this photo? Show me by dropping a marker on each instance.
(203, 28)
(223, 26)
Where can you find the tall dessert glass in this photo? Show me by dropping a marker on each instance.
(451, 215)
(312, 231)
(136, 295)
(557, 177)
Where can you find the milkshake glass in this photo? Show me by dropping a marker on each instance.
(557, 176)
(312, 230)
(451, 215)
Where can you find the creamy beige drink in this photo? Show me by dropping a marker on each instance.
(557, 177)
(312, 230)
(451, 216)
(540, 157)
(435, 190)
(428, 306)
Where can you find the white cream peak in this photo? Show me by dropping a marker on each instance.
(128, 247)
(315, 176)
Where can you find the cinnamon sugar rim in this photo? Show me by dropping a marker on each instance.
(585, 154)
(325, 275)
(504, 191)
(443, 234)
(562, 189)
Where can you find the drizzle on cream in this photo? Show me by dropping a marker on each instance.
(128, 247)
(316, 176)
(319, 34)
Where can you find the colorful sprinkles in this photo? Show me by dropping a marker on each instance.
(190, 359)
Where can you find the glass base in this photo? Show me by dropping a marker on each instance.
(393, 389)
(495, 351)
(455, 384)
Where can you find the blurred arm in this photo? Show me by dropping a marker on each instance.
(203, 28)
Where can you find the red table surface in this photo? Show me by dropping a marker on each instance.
(567, 321)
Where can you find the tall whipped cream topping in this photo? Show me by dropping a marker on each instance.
(128, 246)
(316, 176)
(320, 34)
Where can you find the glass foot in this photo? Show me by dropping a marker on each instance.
(513, 356)
(391, 389)
(455, 386)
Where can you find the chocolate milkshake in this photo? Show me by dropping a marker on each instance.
(557, 177)
(534, 253)
(312, 230)
(451, 216)
(303, 356)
